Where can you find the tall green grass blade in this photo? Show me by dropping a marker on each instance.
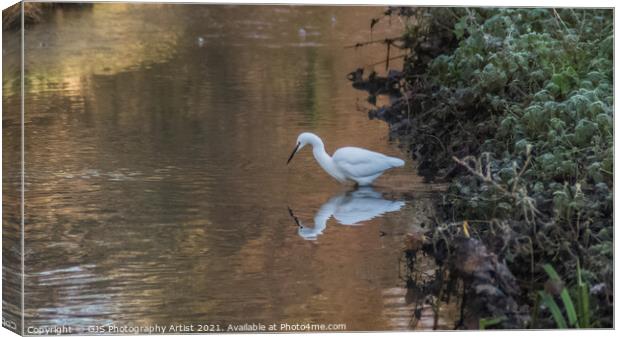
(570, 308)
(486, 322)
(549, 302)
(583, 300)
(553, 275)
(568, 302)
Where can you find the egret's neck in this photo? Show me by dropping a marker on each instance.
(325, 160)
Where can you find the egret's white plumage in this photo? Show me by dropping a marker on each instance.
(350, 208)
(348, 163)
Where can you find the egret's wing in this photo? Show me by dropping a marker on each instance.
(357, 162)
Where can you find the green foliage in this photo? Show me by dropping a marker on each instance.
(583, 300)
(577, 318)
(484, 323)
(528, 93)
(550, 303)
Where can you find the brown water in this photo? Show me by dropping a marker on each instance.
(156, 185)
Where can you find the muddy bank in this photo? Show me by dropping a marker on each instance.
(514, 109)
(33, 12)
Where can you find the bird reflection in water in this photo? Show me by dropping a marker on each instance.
(348, 208)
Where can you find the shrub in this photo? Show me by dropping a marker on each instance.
(518, 116)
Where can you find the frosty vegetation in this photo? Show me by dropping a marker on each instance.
(514, 107)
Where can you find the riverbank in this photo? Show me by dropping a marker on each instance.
(514, 108)
(34, 12)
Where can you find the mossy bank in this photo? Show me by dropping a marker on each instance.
(514, 108)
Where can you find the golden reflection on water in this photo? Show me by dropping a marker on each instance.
(157, 190)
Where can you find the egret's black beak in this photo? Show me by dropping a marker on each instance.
(290, 211)
(292, 154)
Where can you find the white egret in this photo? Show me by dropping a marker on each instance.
(348, 163)
(348, 208)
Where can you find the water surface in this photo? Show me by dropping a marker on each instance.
(156, 184)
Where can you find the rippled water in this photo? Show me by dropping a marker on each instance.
(156, 184)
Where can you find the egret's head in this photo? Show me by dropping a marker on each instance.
(303, 139)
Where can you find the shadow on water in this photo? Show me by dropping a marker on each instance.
(434, 295)
(348, 208)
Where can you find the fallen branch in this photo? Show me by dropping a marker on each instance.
(387, 40)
